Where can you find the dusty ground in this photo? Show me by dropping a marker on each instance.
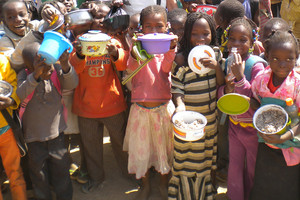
(115, 186)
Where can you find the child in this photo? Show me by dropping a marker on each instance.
(277, 168)
(40, 87)
(98, 102)
(226, 12)
(51, 7)
(16, 19)
(195, 171)
(177, 18)
(274, 24)
(10, 153)
(148, 137)
(242, 135)
(69, 4)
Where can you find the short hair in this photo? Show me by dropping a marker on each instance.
(231, 9)
(29, 52)
(277, 22)
(185, 42)
(154, 9)
(7, 2)
(176, 14)
(281, 37)
(248, 24)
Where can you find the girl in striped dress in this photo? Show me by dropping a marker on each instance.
(195, 161)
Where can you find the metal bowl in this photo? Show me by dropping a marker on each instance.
(5, 89)
(78, 17)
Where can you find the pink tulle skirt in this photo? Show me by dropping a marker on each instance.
(148, 140)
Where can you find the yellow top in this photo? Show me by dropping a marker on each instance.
(9, 75)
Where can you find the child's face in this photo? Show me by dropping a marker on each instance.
(239, 37)
(97, 24)
(282, 59)
(201, 33)
(47, 71)
(177, 27)
(68, 3)
(154, 23)
(133, 25)
(16, 17)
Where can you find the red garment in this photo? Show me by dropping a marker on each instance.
(271, 86)
(99, 93)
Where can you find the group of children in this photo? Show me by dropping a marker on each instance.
(260, 166)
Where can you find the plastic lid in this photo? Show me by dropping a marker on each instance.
(289, 101)
(156, 37)
(94, 36)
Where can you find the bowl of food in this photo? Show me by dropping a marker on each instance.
(5, 89)
(271, 119)
(78, 17)
(189, 125)
(156, 43)
(94, 43)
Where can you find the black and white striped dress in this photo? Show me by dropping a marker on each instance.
(193, 161)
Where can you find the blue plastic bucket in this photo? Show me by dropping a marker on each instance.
(53, 45)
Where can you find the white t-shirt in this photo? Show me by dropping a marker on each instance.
(138, 5)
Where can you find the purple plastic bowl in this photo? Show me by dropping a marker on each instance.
(156, 43)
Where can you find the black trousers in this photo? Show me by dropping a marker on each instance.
(49, 165)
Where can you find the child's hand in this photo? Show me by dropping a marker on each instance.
(238, 67)
(64, 61)
(38, 64)
(229, 88)
(174, 42)
(275, 138)
(5, 102)
(78, 48)
(112, 50)
(209, 63)
(49, 12)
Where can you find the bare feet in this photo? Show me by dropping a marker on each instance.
(144, 193)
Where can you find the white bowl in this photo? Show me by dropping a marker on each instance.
(189, 117)
(5, 89)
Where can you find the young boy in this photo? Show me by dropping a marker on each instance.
(42, 113)
(98, 102)
(9, 150)
(15, 23)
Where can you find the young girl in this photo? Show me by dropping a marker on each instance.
(194, 161)
(242, 135)
(277, 168)
(148, 137)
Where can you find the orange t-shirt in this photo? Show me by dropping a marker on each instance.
(99, 93)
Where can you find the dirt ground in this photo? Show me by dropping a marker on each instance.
(115, 186)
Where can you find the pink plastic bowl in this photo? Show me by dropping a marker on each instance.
(156, 43)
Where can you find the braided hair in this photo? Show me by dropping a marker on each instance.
(185, 42)
(248, 24)
(281, 37)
